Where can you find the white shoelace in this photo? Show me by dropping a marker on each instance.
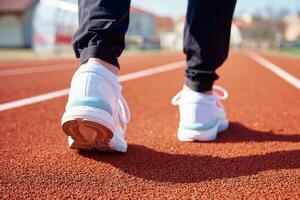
(124, 113)
(221, 89)
(175, 99)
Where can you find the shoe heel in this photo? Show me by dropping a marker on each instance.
(189, 135)
(87, 135)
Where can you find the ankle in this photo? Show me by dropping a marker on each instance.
(115, 70)
(186, 88)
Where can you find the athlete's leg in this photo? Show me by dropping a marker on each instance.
(102, 28)
(96, 108)
(206, 40)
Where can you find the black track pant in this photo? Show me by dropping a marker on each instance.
(103, 24)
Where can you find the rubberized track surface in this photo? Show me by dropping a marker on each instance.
(257, 158)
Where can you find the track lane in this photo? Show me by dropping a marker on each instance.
(23, 64)
(257, 157)
(275, 69)
(127, 57)
(65, 92)
(22, 86)
(288, 63)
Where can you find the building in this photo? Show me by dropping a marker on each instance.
(235, 36)
(141, 23)
(48, 25)
(44, 25)
(292, 27)
(141, 30)
(54, 24)
(163, 25)
(173, 40)
(16, 23)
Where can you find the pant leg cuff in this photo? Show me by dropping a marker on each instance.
(99, 52)
(199, 86)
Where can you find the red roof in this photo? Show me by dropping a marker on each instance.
(7, 6)
(241, 24)
(164, 23)
(140, 11)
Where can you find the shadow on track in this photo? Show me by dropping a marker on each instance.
(149, 164)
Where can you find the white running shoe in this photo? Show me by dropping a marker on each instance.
(95, 110)
(202, 116)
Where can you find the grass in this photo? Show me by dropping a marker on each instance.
(28, 54)
(15, 54)
(295, 52)
(287, 52)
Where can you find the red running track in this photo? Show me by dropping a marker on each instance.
(257, 158)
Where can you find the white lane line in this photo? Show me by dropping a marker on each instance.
(34, 99)
(64, 92)
(149, 72)
(32, 70)
(294, 81)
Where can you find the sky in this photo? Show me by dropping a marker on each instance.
(177, 8)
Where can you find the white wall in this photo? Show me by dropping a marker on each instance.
(11, 31)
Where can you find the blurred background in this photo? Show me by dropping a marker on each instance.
(32, 28)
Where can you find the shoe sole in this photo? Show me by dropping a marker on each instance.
(190, 135)
(88, 135)
(89, 128)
